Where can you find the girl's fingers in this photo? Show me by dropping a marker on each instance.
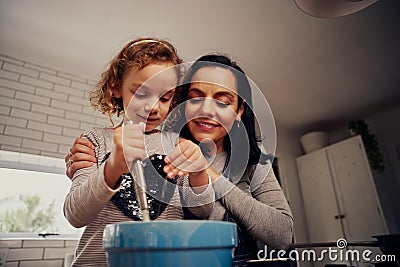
(135, 155)
(142, 126)
(132, 146)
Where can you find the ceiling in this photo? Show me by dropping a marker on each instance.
(314, 72)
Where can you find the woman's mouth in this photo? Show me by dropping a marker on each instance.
(206, 125)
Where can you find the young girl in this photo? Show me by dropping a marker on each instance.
(102, 193)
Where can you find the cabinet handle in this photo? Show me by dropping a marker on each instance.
(339, 216)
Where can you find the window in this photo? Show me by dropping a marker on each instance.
(32, 194)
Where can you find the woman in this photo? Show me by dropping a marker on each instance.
(216, 109)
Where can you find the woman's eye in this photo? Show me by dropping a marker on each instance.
(165, 99)
(222, 104)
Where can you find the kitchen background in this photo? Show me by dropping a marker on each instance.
(316, 73)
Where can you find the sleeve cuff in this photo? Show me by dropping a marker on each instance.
(100, 188)
(222, 186)
(203, 198)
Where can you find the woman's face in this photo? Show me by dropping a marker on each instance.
(151, 95)
(212, 105)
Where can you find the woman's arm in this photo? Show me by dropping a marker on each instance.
(196, 205)
(80, 155)
(185, 159)
(264, 212)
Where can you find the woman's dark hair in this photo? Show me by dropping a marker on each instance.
(242, 143)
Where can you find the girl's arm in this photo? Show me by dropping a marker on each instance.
(89, 191)
(94, 186)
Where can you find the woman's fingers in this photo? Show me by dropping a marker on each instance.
(185, 158)
(81, 145)
(79, 156)
(74, 166)
(181, 153)
(83, 149)
(83, 141)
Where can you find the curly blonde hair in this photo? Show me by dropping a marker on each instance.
(138, 53)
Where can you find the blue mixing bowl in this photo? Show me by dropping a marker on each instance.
(193, 243)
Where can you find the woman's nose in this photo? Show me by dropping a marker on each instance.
(207, 107)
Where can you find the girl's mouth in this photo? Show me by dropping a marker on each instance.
(148, 119)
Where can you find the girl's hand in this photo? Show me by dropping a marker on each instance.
(127, 146)
(80, 155)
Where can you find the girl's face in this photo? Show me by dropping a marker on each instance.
(212, 105)
(151, 98)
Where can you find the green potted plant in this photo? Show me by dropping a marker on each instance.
(374, 153)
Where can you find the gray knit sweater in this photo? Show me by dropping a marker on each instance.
(257, 201)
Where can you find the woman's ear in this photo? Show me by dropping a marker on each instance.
(240, 111)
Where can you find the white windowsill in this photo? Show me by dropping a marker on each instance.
(23, 161)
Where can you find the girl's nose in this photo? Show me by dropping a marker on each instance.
(147, 107)
(152, 106)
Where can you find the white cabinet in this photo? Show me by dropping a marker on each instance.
(339, 193)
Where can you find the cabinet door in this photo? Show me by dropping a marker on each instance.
(355, 190)
(319, 197)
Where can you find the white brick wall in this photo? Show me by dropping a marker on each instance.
(37, 252)
(42, 110)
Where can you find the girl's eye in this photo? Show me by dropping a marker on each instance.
(222, 104)
(140, 96)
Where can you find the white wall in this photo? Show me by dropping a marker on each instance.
(384, 124)
(288, 148)
(386, 128)
(42, 110)
(36, 251)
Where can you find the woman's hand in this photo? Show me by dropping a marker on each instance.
(187, 158)
(127, 146)
(80, 155)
